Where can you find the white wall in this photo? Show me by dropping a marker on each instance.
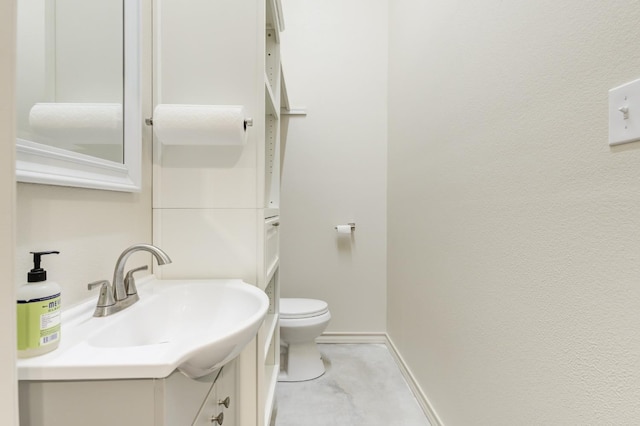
(514, 233)
(334, 171)
(89, 227)
(8, 384)
(206, 202)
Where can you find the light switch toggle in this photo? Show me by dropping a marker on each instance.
(625, 112)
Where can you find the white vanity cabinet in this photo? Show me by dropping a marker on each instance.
(172, 401)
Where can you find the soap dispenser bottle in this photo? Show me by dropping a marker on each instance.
(38, 311)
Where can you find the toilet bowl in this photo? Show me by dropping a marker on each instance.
(301, 321)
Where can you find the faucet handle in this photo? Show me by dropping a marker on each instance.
(130, 281)
(106, 294)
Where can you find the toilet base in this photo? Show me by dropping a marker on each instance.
(303, 362)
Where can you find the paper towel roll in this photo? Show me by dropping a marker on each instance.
(199, 124)
(78, 123)
(343, 229)
(45, 116)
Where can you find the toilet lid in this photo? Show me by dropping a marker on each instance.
(302, 308)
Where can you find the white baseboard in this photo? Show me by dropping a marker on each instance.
(384, 338)
(424, 402)
(352, 338)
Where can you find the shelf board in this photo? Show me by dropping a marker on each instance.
(294, 111)
(271, 212)
(270, 322)
(270, 100)
(271, 379)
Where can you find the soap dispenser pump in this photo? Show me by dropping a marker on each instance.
(38, 311)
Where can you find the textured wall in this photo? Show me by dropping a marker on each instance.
(514, 233)
(334, 55)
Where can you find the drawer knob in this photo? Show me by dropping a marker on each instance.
(218, 419)
(275, 224)
(225, 402)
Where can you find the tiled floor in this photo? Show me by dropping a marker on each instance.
(363, 386)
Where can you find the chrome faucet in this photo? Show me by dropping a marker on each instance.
(123, 293)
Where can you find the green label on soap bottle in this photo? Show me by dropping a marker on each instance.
(38, 322)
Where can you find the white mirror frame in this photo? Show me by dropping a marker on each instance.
(39, 163)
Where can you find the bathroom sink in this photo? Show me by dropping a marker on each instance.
(195, 326)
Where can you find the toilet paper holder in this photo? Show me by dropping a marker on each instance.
(350, 224)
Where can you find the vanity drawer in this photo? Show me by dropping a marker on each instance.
(220, 405)
(271, 245)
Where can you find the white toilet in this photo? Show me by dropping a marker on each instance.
(301, 321)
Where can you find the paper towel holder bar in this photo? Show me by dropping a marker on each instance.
(351, 224)
(248, 122)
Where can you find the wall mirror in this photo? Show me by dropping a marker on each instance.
(78, 96)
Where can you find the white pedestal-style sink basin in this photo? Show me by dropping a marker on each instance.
(195, 326)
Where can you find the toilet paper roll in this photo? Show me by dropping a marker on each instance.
(199, 124)
(343, 229)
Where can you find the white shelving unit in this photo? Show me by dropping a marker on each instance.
(269, 334)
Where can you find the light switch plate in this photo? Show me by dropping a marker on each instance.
(624, 113)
